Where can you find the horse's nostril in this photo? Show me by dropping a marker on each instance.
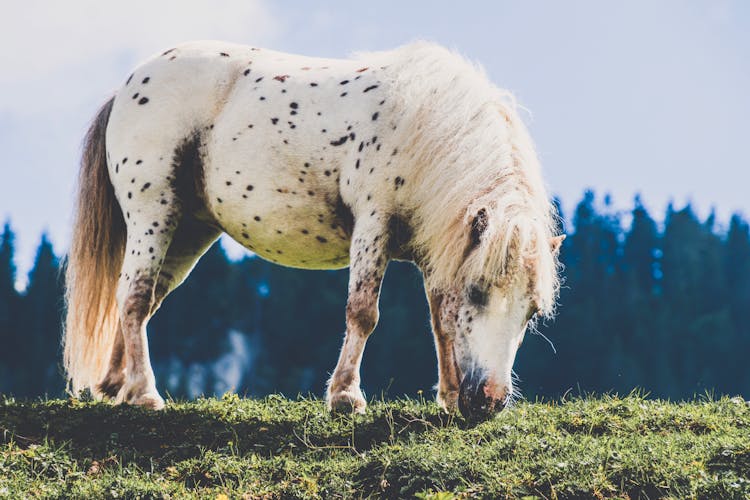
(478, 400)
(491, 390)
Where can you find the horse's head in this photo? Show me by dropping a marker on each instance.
(509, 276)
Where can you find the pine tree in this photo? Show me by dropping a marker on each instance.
(10, 322)
(638, 305)
(590, 260)
(695, 312)
(42, 308)
(640, 249)
(737, 273)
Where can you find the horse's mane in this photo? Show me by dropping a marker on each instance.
(471, 151)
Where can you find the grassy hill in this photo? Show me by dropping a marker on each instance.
(605, 447)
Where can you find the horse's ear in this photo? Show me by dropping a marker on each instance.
(555, 243)
(478, 227)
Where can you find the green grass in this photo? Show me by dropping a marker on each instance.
(606, 447)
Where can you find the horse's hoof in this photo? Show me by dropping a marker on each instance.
(150, 402)
(448, 401)
(144, 397)
(110, 386)
(347, 402)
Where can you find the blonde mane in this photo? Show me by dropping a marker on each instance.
(470, 151)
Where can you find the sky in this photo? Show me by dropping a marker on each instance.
(622, 97)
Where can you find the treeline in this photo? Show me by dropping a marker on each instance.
(656, 306)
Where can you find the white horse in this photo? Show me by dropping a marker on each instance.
(319, 164)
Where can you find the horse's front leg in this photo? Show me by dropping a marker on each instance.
(442, 314)
(368, 261)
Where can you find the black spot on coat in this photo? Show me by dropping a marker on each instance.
(478, 227)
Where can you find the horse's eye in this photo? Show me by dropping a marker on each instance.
(477, 296)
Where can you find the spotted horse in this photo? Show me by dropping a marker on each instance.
(408, 154)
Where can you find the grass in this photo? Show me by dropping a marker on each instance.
(606, 447)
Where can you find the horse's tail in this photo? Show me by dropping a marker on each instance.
(93, 265)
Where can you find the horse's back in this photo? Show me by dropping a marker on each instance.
(278, 135)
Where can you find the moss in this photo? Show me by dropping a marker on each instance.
(607, 447)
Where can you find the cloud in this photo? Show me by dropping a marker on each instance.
(60, 61)
(51, 35)
(46, 42)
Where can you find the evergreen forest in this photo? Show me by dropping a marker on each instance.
(655, 303)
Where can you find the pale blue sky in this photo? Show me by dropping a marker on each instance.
(638, 96)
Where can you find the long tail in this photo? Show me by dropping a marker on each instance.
(93, 265)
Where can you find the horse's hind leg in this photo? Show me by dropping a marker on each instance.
(190, 240)
(145, 179)
(136, 298)
(115, 377)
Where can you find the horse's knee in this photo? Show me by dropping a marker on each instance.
(362, 316)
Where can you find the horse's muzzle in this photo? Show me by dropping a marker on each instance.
(479, 398)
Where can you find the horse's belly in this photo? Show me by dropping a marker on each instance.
(303, 241)
(281, 222)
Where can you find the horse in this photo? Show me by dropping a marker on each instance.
(409, 154)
